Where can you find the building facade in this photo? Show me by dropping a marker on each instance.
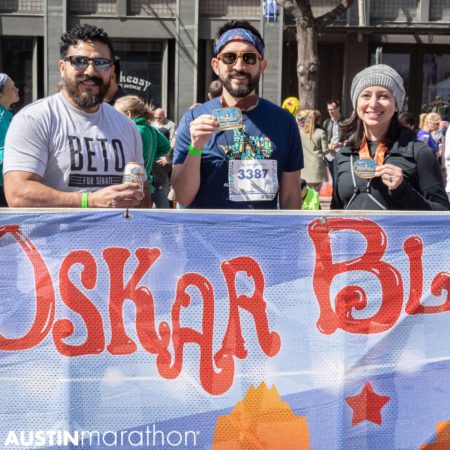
(165, 46)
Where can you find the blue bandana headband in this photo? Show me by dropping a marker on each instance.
(3, 80)
(238, 34)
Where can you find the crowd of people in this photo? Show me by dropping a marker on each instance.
(235, 151)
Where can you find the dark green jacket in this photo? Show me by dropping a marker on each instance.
(154, 145)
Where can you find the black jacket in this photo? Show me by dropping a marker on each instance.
(422, 187)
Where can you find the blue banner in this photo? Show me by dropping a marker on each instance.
(215, 330)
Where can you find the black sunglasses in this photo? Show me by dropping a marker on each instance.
(82, 62)
(249, 58)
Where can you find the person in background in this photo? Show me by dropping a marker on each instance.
(301, 117)
(439, 106)
(383, 166)
(154, 144)
(215, 89)
(447, 166)
(425, 134)
(162, 167)
(310, 197)
(333, 125)
(422, 118)
(9, 94)
(70, 149)
(115, 90)
(333, 130)
(253, 165)
(443, 126)
(406, 119)
(160, 120)
(315, 147)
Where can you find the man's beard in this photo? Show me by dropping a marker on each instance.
(242, 90)
(83, 99)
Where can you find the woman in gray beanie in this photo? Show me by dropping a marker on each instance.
(382, 165)
(9, 94)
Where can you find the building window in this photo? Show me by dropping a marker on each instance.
(152, 8)
(101, 7)
(22, 6)
(141, 69)
(440, 10)
(436, 80)
(393, 10)
(248, 9)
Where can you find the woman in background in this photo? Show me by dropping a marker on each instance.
(9, 94)
(383, 166)
(154, 144)
(315, 145)
(430, 126)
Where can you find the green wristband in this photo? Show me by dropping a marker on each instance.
(84, 199)
(192, 150)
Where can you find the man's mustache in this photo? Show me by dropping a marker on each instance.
(239, 73)
(96, 80)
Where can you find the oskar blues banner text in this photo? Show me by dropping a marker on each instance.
(224, 330)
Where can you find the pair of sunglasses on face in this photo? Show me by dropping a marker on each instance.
(249, 58)
(82, 62)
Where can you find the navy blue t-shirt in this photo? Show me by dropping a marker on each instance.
(269, 132)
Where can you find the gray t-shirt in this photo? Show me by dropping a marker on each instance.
(70, 149)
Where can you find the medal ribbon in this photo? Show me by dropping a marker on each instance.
(243, 104)
(380, 151)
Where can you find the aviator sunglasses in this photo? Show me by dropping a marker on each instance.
(249, 58)
(82, 62)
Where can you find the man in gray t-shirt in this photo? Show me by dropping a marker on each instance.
(70, 149)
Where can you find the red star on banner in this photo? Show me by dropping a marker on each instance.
(367, 405)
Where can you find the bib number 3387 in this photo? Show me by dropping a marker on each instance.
(252, 180)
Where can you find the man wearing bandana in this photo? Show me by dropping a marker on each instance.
(257, 163)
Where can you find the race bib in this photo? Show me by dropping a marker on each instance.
(253, 180)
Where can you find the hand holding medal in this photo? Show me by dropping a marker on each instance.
(392, 176)
(201, 130)
(366, 167)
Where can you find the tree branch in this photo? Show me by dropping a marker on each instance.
(334, 14)
(291, 6)
(300, 9)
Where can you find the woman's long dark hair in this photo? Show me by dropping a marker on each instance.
(353, 131)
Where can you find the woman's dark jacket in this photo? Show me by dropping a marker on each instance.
(422, 187)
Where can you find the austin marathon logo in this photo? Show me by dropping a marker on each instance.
(146, 438)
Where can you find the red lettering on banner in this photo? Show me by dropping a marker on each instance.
(354, 296)
(217, 383)
(413, 247)
(183, 335)
(217, 369)
(120, 343)
(233, 343)
(45, 295)
(79, 303)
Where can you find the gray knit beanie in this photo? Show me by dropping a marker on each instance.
(379, 75)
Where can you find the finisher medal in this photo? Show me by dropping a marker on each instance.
(228, 118)
(365, 168)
